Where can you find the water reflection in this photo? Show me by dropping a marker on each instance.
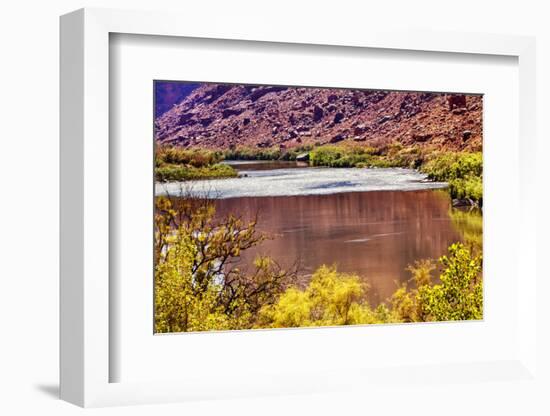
(373, 234)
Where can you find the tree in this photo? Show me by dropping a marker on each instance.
(198, 286)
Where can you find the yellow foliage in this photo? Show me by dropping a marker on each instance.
(180, 305)
(331, 298)
(404, 305)
(197, 288)
(458, 296)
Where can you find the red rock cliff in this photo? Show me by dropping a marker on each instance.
(220, 116)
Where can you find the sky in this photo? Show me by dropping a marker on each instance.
(168, 93)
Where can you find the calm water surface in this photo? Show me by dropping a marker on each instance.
(375, 234)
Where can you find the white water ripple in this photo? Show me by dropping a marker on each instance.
(303, 181)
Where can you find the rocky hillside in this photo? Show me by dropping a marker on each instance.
(219, 116)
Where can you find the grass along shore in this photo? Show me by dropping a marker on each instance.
(177, 164)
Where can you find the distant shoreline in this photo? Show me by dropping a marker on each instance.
(303, 181)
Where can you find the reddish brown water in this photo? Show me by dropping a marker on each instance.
(373, 234)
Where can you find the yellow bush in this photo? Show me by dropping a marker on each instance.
(331, 298)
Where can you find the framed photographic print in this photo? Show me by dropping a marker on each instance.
(281, 213)
(283, 206)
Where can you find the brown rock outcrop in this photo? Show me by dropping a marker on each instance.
(218, 116)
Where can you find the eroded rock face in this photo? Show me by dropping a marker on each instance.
(219, 116)
(456, 101)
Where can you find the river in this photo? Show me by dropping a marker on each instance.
(371, 222)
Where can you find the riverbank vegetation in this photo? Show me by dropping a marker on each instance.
(334, 298)
(177, 164)
(269, 153)
(339, 156)
(462, 170)
(198, 286)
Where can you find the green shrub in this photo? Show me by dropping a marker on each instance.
(470, 187)
(249, 153)
(168, 173)
(341, 156)
(463, 171)
(454, 165)
(460, 294)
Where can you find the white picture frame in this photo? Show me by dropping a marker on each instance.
(85, 212)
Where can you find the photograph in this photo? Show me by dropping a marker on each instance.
(281, 206)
